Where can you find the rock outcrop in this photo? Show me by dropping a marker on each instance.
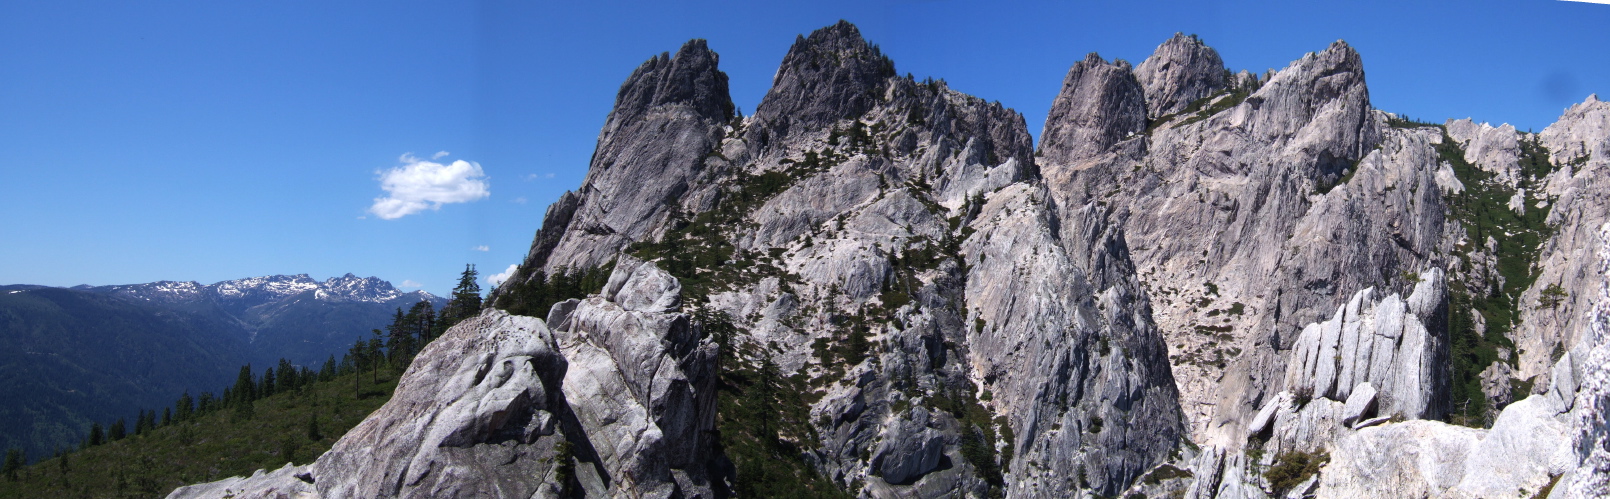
(1554, 440)
(858, 205)
(668, 116)
(1100, 104)
(1388, 344)
(1196, 275)
(1182, 71)
(621, 391)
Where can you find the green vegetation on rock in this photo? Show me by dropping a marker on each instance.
(1483, 308)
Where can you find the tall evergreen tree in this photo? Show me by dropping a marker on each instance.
(245, 388)
(399, 340)
(327, 372)
(15, 459)
(423, 315)
(466, 301)
(265, 386)
(118, 430)
(288, 377)
(184, 408)
(97, 435)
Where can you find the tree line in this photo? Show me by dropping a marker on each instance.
(392, 348)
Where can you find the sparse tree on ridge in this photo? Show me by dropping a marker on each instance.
(466, 301)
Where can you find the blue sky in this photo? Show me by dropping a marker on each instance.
(206, 141)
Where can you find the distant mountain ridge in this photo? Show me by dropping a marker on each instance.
(344, 288)
(69, 356)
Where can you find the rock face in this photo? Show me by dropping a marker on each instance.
(668, 115)
(1194, 275)
(1181, 71)
(1557, 437)
(489, 409)
(1100, 104)
(860, 206)
(1379, 342)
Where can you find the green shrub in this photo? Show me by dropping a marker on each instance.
(1292, 468)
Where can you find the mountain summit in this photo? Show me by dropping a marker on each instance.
(1199, 284)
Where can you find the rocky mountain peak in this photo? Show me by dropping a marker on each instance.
(832, 74)
(669, 115)
(1100, 104)
(1320, 106)
(690, 78)
(1181, 71)
(1582, 135)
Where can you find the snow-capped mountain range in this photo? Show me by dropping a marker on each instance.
(256, 290)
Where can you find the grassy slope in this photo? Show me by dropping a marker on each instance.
(211, 446)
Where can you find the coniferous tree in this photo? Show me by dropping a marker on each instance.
(184, 408)
(376, 353)
(167, 416)
(424, 322)
(97, 435)
(466, 301)
(117, 431)
(288, 377)
(327, 372)
(313, 432)
(15, 459)
(265, 386)
(244, 385)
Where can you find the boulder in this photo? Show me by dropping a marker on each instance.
(1360, 404)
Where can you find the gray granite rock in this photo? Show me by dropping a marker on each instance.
(1360, 404)
(482, 409)
(1100, 104)
(1181, 71)
(288, 482)
(1379, 342)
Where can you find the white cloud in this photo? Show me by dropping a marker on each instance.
(497, 279)
(518, 200)
(419, 184)
(409, 283)
(482, 248)
(530, 176)
(439, 155)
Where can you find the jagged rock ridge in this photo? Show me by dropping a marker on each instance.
(1193, 257)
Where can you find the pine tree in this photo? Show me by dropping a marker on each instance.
(466, 300)
(15, 459)
(244, 386)
(398, 339)
(288, 377)
(424, 322)
(167, 416)
(265, 387)
(184, 408)
(376, 354)
(97, 435)
(313, 432)
(118, 430)
(327, 372)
